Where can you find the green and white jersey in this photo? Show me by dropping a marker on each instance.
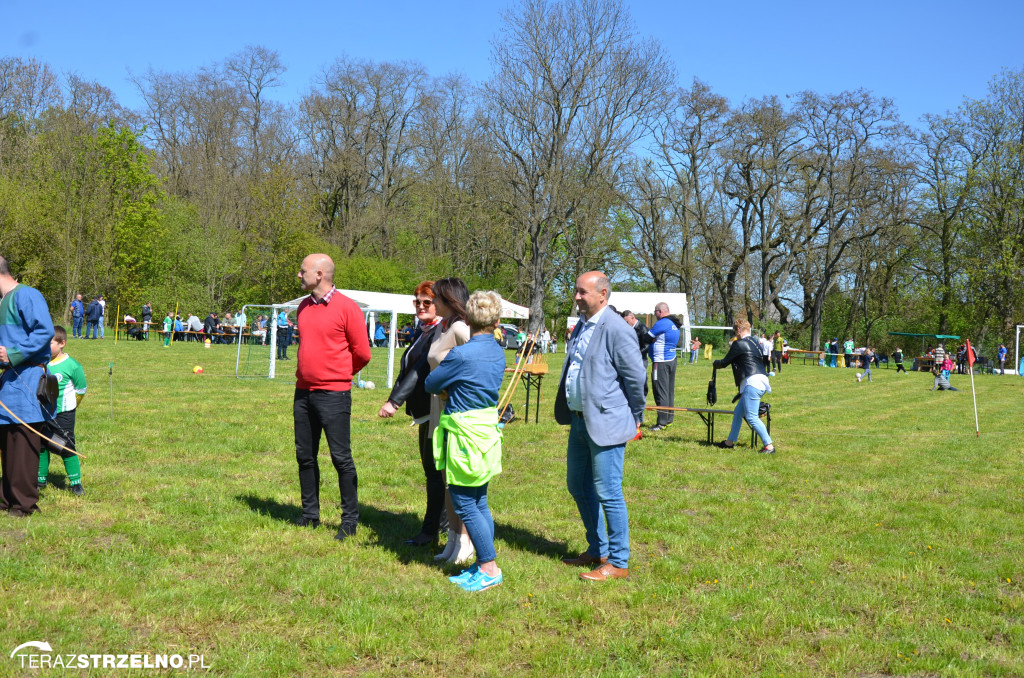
(70, 381)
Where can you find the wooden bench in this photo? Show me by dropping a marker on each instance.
(708, 416)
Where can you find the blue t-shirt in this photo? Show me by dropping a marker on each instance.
(666, 336)
(472, 373)
(380, 334)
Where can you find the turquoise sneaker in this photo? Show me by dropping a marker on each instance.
(481, 582)
(465, 575)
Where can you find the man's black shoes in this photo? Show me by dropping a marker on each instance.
(345, 531)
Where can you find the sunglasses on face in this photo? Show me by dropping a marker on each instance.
(423, 302)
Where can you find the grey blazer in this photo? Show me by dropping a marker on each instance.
(612, 382)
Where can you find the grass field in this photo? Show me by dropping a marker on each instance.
(882, 539)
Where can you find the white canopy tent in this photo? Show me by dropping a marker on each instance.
(643, 303)
(373, 305)
(388, 302)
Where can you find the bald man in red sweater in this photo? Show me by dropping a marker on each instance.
(333, 345)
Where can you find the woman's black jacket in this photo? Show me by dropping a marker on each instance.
(414, 370)
(745, 357)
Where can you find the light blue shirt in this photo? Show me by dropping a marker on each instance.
(578, 349)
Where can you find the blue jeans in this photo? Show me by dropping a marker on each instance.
(101, 327)
(693, 356)
(91, 328)
(471, 505)
(593, 475)
(76, 328)
(746, 408)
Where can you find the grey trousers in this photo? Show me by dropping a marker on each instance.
(663, 382)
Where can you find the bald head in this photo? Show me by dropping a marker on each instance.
(317, 274)
(592, 292)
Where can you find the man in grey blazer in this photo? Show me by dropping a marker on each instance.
(601, 397)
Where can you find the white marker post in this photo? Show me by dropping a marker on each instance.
(970, 368)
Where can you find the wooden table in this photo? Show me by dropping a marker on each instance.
(532, 375)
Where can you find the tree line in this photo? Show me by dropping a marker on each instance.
(818, 214)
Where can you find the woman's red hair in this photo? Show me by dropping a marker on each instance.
(426, 287)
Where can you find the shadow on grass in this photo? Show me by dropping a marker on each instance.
(392, 529)
(56, 481)
(525, 540)
(271, 507)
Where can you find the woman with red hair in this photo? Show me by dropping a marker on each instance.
(409, 390)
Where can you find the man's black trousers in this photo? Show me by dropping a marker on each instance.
(326, 412)
(663, 383)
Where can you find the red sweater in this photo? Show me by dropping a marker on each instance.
(333, 344)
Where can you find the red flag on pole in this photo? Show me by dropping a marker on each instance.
(970, 353)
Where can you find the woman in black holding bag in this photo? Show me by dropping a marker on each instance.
(409, 390)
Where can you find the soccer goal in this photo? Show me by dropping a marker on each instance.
(258, 356)
(1017, 358)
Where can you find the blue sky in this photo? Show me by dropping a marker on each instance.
(925, 55)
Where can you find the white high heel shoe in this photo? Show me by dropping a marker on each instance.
(449, 549)
(464, 552)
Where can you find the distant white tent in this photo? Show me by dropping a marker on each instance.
(402, 303)
(643, 303)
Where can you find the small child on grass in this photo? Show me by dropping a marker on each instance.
(71, 385)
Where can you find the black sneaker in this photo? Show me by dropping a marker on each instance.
(660, 427)
(767, 450)
(345, 531)
(308, 522)
(78, 489)
(726, 444)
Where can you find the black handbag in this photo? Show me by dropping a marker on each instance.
(712, 389)
(48, 390)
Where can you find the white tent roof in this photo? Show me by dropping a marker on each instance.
(402, 303)
(643, 303)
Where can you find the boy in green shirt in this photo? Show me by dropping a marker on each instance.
(168, 328)
(71, 385)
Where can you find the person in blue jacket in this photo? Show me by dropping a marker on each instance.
(467, 441)
(25, 333)
(77, 315)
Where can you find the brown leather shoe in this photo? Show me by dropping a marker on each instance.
(605, 572)
(584, 560)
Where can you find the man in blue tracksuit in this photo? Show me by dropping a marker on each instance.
(662, 351)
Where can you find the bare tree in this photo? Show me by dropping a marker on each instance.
(573, 89)
(836, 186)
(655, 237)
(686, 141)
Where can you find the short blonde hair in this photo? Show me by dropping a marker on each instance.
(483, 309)
(740, 324)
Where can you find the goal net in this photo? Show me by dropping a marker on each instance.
(259, 355)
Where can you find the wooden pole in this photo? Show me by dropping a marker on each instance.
(515, 381)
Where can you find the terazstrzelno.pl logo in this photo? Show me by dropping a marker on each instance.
(37, 654)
